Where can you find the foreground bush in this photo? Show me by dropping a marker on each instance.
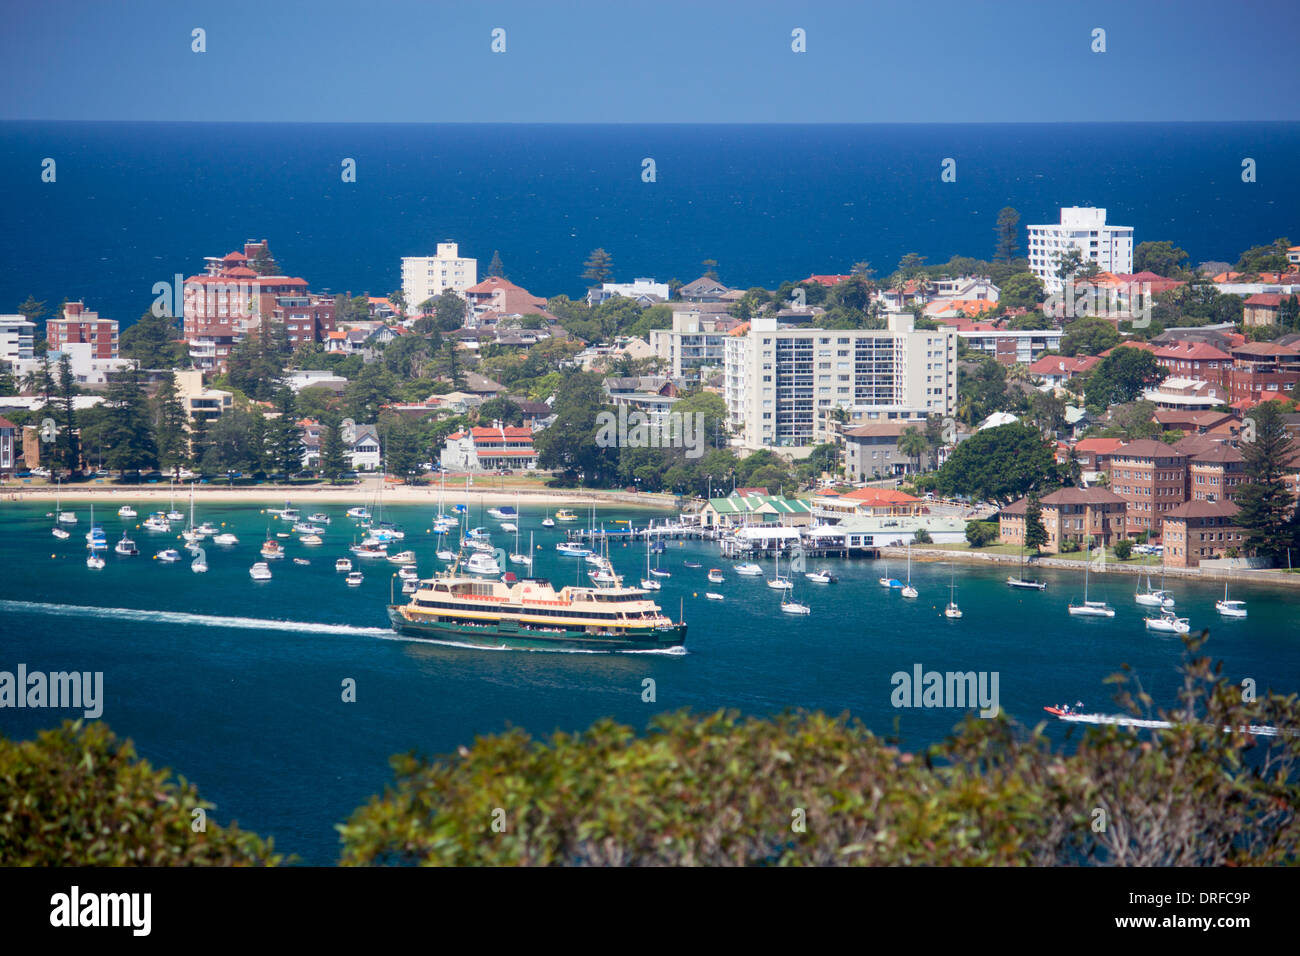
(77, 796)
(809, 789)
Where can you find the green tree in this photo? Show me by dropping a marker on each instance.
(78, 796)
(1089, 336)
(1123, 376)
(200, 442)
(1023, 290)
(1007, 231)
(69, 444)
(450, 309)
(153, 342)
(333, 455)
(284, 437)
(32, 310)
(397, 299)
(1162, 258)
(710, 269)
(980, 534)
(1035, 532)
(170, 425)
(598, 267)
(500, 409)
(998, 464)
(912, 443)
(1123, 549)
(128, 426)
(1264, 499)
(402, 449)
(1259, 259)
(575, 443)
(495, 268)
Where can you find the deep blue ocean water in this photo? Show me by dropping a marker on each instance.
(135, 203)
(237, 685)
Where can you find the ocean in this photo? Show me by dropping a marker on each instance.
(237, 685)
(133, 204)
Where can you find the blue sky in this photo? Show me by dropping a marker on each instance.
(650, 62)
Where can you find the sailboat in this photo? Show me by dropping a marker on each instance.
(1168, 622)
(777, 582)
(93, 560)
(58, 532)
(909, 591)
(65, 517)
(173, 514)
(648, 582)
(952, 611)
(1155, 597)
(192, 533)
(519, 557)
(1090, 608)
(1026, 584)
(791, 606)
(1230, 608)
(887, 581)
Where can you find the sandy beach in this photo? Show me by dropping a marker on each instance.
(361, 494)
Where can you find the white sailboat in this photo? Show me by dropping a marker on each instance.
(1230, 608)
(519, 557)
(1023, 583)
(1155, 597)
(789, 605)
(776, 581)
(192, 533)
(886, 581)
(1169, 623)
(58, 532)
(648, 582)
(909, 591)
(1090, 608)
(173, 514)
(93, 559)
(952, 611)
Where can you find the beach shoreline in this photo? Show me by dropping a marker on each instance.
(304, 497)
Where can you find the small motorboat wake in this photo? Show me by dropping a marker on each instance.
(1076, 715)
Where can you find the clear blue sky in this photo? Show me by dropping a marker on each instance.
(650, 61)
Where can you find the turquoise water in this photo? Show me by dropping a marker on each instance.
(237, 684)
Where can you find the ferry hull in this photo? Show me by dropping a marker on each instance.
(509, 635)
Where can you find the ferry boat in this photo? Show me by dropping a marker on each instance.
(530, 613)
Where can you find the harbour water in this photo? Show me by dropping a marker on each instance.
(237, 684)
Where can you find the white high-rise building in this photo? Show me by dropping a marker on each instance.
(17, 338)
(781, 384)
(425, 277)
(1085, 229)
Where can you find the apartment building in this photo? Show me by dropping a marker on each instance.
(230, 299)
(425, 277)
(1259, 367)
(1200, 530)
(17, 338)
(78, 325)
(200, 401)
(1084, 229)
(780, 382)
(1152, 478)
(1215, 474)
(695, 341)
(1011, 347)
(306, 318)
(1088, 516)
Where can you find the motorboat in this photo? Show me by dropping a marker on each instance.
(692, 564)
(402, 557)
(410, 586)
(260, 571)
(288, 514)
(126, 511)
(370, 552)
(1169, 623)
(272, 550)
(94, 561)
(226, 538)
(603, 576)
(504, 513)
(302, 561)
(168, 556)
(126, 546)
(319, 517)
(158, 523)
(59, 533)
(509, 526)
(716, 576)
(821, 576)
(1230, 608)
(748, 570)
(478, 534)
(311, 540)
(714, 596)
(386, 531)
(343, 564)
(355, 578)
(572, 550)
(482, 563)
(661, 573)
(306, 527)
(408, 573)
(445, 555)
(564, 514)
(359, 513)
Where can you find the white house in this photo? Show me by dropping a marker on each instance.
(425, 277)
(17, 338)
(1084, 229)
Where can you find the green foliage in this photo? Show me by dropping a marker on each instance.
(495, 268)
(79, 796)
(1024, 290)
(333, 454)
(570, 444)
(1162, 258)
(981, 389)
(1194, 304)
(1089, 336)
(1035, 531)
(980, 534)
(1265, 499)
(500, 409)
(921, 536)
(806, 789)
(1122, 376)
(598, 268)
(171, 433)
(1008, 236)
(69, 443)
(403, 449)
(1258, 259)
(127, 435)
(1123, 549)
(154, 342)
(998, 464)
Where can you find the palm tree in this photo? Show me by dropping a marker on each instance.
(913, 444)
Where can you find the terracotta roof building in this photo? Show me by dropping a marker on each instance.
(1199, 530)
(1084, 515)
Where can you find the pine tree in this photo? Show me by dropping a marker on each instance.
(333, 456)
(285, 437)
(128, 424)
(169, 428)
(1265, 500)
(1007, 233)
(69, 444)
(1035, 532)
(200, 442)
(495, 268)
(598, 267)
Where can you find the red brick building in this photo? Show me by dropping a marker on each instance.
(1215, 474)
(1071, 514)
(1198, 530)
(1260, 367)
(1152, 478)
(78, 325)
